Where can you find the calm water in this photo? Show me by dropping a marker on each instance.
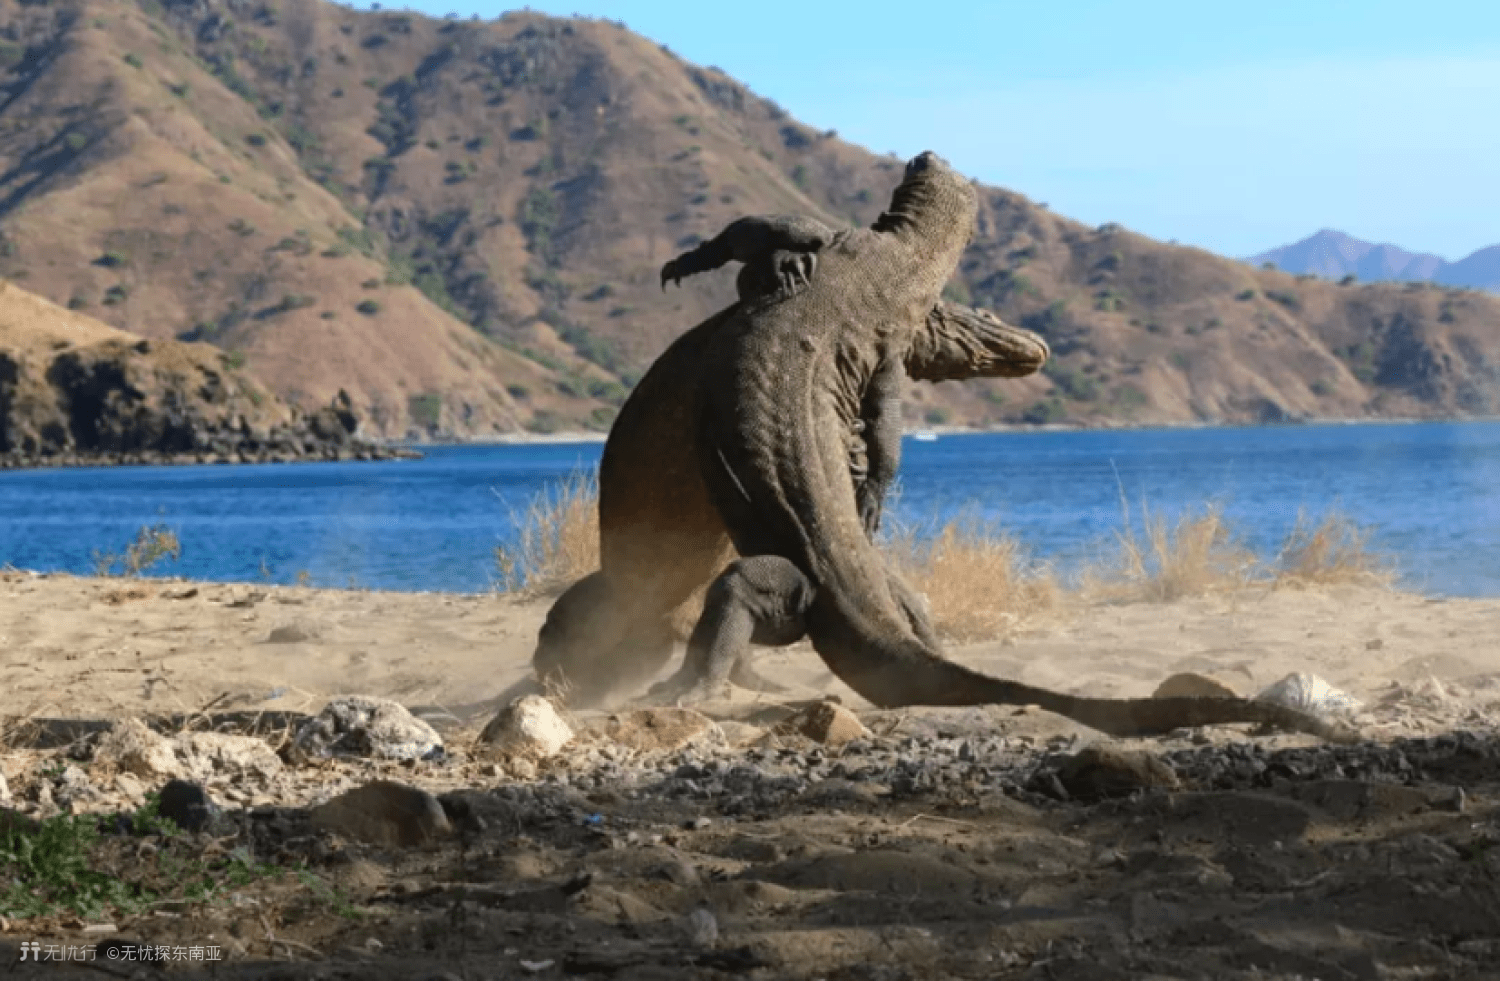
(1431, 493)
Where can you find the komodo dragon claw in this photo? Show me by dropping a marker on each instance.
(795, 269)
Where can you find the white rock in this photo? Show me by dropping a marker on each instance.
(1309, 693)
(132, 747)
(361, 725)
(528, 727)
(211, 754)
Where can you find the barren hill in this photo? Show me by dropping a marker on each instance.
(461, 224)
(75, 391)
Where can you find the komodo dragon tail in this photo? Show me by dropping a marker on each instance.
(905, 673)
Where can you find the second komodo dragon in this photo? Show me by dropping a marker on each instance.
(781, 381)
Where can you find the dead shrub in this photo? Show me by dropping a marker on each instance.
(153, 544)
(1334, 550)
(978, 580)
(557, 538)
(1193, 557)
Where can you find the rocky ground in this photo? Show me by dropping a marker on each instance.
(808, 839)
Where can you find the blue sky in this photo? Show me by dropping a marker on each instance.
(1229, 125)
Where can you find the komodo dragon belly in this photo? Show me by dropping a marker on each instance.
(660, 535)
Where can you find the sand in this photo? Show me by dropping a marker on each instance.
(926, 851)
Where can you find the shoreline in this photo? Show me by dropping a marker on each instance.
(385, 450)
(584, 436)
(12, 572)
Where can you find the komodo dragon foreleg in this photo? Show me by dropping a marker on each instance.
(781, 247)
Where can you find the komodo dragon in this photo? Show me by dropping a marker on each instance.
(781, 381)
(614, 629)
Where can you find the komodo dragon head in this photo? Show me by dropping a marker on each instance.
(934, 207)
(970, 342)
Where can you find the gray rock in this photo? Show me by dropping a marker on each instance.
(360, 725)
(385, 813)
(187, 805)
(292, 633)
(1102, 770)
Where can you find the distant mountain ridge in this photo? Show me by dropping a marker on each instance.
(1333, 255)
(461, 225)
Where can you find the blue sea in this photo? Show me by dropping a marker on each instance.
(1429, 493)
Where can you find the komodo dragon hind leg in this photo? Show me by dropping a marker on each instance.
(760, 600)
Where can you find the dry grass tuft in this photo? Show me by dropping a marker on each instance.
(152, 544)
(1332, 551)
(978, 580)
(1195, 556)
(557, 538)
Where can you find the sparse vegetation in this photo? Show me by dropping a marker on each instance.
(1286, 298)
(65, 865)
(978, 581)
(425, 409)
(368, 307)
(1332, 550)
(1162, 562)
(557, 538)
(152, 545)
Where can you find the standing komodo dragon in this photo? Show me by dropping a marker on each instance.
(781, 384)
(614, 629)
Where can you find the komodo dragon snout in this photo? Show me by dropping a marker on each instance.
(961, 342)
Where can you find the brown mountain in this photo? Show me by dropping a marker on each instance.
(75, 391)
(461, 224)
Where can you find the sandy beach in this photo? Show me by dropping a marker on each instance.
(930, 847)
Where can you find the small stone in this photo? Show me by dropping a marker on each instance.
(660, 729)
(133, 747)
(1374, 644)
(187, 805)
(526, 729)
(292, 633)
(128, 785)
(828, 723)
(385, 813)
(701, 927)
(1102, 770)
(361, 725)
(1193, 685)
